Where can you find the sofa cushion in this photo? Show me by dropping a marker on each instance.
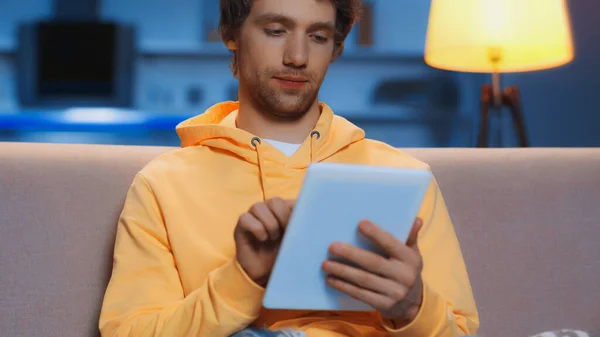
(528, 221)
(58, 211)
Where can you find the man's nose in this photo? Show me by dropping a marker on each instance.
(296, 51)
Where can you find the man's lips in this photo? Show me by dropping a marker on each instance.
(292, 78)
(291, 82)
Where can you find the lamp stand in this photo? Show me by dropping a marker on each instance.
(493, 97)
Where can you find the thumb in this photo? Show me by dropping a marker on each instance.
(414, 234)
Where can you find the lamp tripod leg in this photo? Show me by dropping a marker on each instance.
(486, 102)
(512, 98)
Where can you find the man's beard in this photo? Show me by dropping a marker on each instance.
(281, 103)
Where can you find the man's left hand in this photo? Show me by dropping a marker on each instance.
(393, 286)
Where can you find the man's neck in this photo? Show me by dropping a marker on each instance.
(296, 131)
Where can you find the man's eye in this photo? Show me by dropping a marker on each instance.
(321, 39)
(274, 32)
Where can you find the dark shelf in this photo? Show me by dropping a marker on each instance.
(218, 51)
(6, 50)
(118, 120)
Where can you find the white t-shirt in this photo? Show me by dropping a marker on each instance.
(286, 148)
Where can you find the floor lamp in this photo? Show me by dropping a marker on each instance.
(494, 37)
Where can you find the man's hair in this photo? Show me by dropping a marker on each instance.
(235, 12)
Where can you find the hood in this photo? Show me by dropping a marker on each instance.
(216, 128)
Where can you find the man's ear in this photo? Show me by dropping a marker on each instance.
(338, 49)
(231, 45)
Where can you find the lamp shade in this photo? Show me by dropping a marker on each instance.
(498, 35)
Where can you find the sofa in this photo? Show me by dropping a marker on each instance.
(528, 221)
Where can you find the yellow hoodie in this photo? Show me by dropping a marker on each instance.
(175, 272)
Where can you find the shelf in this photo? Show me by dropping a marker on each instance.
(217, 50)
(6, 49)
(211, 50)
(88, 120)
(118, 120)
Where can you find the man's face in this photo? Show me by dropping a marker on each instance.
(285, 48)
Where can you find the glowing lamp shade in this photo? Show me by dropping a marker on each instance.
(490, 36)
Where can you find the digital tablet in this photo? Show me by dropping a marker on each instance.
(333, 199)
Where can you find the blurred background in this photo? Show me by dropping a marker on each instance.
(127, 71)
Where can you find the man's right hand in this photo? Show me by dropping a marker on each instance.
(258, 236)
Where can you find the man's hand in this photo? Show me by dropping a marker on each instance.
(393, 285)
(258, 236)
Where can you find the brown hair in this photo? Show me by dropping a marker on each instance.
(235, 12)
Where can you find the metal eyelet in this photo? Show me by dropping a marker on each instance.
(254, 141)
(315, 133)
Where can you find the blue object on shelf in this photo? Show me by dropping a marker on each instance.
(90, 120)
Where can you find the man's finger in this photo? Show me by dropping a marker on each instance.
(414, 233)
(291, 203)
(249, 224)
(281, 209)
(375, 300)
(261, 212)
(365, 279)
(392, 246)
(362, 258)
(392, 269)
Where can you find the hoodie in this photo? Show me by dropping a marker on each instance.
(175, 272)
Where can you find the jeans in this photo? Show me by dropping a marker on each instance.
(255, 332)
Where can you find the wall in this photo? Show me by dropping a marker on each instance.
(14, 11)
(179, 72)
(11, 13)
(176, 67)
(178, 63)
(561, 105)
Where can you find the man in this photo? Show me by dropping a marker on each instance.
(201, 225)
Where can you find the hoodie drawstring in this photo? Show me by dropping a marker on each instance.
(256, 142)
(259, 158)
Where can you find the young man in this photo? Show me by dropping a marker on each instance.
(201, 225)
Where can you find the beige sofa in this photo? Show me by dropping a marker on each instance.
(528, 221)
